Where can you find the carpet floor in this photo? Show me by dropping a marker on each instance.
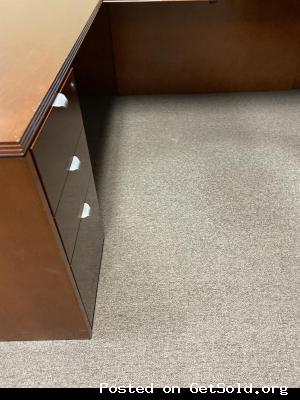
(200, 272)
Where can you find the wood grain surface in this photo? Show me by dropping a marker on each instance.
(38, 296)
(158, 1)
(38, 41)
(232, 45)
(96, 77)
(56, 141)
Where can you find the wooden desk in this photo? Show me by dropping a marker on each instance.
(49, 257)
(50, 232)
(38, 42)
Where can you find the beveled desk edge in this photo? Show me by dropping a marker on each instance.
(19, 148)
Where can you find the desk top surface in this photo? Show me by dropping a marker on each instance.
(157, 1)
(37, 38)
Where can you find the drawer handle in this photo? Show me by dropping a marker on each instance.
(75, 164)
(60, 101)
(86, 212)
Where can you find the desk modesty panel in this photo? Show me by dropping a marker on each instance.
(192, 47)
(163, 47)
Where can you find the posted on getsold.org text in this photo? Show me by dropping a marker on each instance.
(194, 389)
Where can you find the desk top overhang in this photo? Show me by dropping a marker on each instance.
(38, 42)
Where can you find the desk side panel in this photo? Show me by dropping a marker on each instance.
(38, 296)
(94, 63)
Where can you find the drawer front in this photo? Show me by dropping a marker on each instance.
(87, 254)
(71, 203)
(57, 141)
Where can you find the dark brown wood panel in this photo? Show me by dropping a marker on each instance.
(56, 143)
(232, 45)
(157, 1)
(71, 202)
(38, 296)
(87, 254)
(297, 77)
(94, 63)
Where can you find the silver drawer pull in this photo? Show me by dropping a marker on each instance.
(60, 101)
(75, 164)
(86, 212)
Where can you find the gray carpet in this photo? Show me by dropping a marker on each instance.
(200, 272)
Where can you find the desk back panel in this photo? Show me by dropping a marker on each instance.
(232, 45)
(94, 63)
